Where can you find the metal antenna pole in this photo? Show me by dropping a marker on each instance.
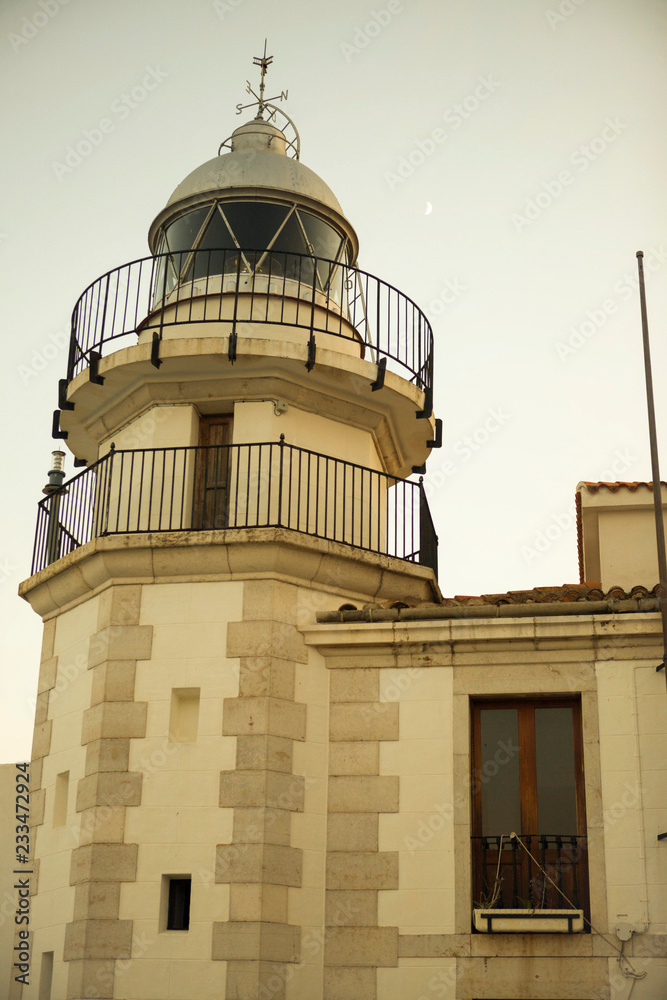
(263, 62)
(655, 471)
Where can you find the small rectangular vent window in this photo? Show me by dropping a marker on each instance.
(60, 799)
(46, 976)
(178, 904)
(184, 717)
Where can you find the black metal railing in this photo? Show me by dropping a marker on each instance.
(251, 286)
(236, 486)
(519, 882)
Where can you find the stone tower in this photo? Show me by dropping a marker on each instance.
(245, 406)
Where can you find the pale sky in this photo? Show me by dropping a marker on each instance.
(533, 128)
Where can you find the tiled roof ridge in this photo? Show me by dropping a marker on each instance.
(565, 601)
(566, 593)
(616, 486)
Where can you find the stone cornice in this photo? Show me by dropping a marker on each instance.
(233, 554)
(598, 636)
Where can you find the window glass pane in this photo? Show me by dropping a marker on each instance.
(554, 750)
(291, 238)
(216, 235)
(254, 223)
(324, 238)
(326, 243)
(336, 278)
(291, 242)
(501, 795)
(181, 234)
(210, 257)
(161, 281)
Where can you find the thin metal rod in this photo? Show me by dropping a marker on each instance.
(655, 470)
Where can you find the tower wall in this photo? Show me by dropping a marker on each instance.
(236, 800)
(210, 820)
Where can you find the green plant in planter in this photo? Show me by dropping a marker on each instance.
(489, 900)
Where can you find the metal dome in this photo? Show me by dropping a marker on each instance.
(257, 168)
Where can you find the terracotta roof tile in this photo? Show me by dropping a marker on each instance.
(566, 593)
(615, 487)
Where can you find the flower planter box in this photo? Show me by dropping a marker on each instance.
(528, 921)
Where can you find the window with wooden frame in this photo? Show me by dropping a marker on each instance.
(211, 508)
(528, 779)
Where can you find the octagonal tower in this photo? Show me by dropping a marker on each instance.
(245, 405)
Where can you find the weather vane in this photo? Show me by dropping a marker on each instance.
(264, 62)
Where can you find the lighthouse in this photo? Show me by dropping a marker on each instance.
(249, 415)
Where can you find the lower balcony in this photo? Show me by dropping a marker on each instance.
(264, 485)
(541, 886)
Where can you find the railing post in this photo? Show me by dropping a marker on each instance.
(575, 862)
(428, 540)
(53, 526)
(104, 310)
(378, 324)
(166, 258)
(310, 363)
(280, 479)
(107, 502)
(236, 299)
(73, 344)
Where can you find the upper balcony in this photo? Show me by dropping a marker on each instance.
(224, 488)
(321, 301)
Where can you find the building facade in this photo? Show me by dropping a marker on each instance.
(270, 760)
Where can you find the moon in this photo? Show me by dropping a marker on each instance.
(429, 208)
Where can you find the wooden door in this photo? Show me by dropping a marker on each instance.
(212, 472)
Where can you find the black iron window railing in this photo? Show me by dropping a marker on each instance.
(551, 874)
(236, 486)
(252, 286)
